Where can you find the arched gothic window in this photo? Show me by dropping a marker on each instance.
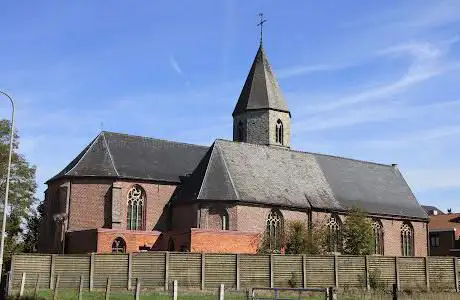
(377, 230)
(240, 132)
(118, 245)
(279, 132)
(334, 226)
(136, 202)
(275, 230)
(407, 239)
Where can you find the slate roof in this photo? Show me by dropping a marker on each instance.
(429, 209)
(260, 90)
(119, 155)
(270, 175)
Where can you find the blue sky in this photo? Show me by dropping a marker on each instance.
(370, 80)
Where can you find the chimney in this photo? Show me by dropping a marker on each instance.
(449, 211)
(435, 212)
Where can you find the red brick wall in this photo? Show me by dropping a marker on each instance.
(392, 234)
(49, 240)
(254, 218)
(184, 217)
(82, 241)
(157, 196)
(90, 204)
(133, 239)
(223, 241)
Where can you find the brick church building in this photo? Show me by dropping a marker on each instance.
(126, 193)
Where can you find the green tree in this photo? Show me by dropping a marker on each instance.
(21, 199)
(30, 239)
(297, 238)
(357, 234)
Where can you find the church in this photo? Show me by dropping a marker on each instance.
(126, 193)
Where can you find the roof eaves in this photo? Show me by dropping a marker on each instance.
(110, 154)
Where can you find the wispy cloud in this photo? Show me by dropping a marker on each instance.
(371, 114)
(427, 63)
(418, 138)
(175, 65)
(301, 70)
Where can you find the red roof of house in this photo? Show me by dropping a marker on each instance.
(447, 221)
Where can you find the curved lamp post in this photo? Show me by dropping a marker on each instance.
(5, 203)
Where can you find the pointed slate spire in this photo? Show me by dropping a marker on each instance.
(261, 90)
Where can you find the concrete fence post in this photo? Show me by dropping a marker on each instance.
(366, 266)
(23, 282)
(80, 288)
(237, 271)
(427, 273)
(107, 289)
(52, 270)
(175, 290)
(203, 271)
(398, 284)
(91, 272)
(138, 289)
(331, 293)
(221, 295)
(37, 286)
(130, 271)
(336, 271)
(304, 271)
(457, 287)
(56, 287)
(272, 284)
(166, 271)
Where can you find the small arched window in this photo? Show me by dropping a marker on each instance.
(135, 208)
(377, 230)
(334, 237)
(279, 132)
(275, 230)
(240, 132)
(118, 245)
(407, 239)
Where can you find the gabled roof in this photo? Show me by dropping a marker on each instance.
(119, 155)
(430, 209)
(260, 90)
(270, 175)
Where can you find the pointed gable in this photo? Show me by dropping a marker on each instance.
(119, 155)
(260, 90)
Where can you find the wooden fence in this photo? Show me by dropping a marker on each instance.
(236, 271)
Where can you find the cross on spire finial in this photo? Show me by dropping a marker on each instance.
(261, 24)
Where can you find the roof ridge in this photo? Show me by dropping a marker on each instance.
(307, 152)
(110, 154)
(207, 167)
(88, 149)
(152, 138)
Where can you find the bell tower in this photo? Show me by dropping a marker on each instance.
(261, 116)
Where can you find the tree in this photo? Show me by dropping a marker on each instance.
(30, 242)
(357, 234)
(21, 199)
(303, 240)
(297, 238)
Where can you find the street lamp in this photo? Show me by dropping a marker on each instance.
(5, 203)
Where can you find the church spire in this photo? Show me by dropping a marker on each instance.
(260, 90)
(261, 116)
